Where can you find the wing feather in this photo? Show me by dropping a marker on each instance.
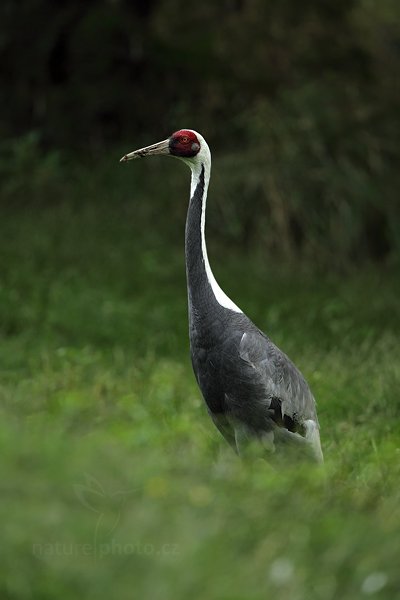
(281, 379)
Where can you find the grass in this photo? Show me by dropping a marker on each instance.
(115, 483)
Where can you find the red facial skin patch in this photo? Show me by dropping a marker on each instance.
(184, 143)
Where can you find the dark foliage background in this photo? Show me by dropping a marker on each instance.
(114, 482)
(298, 100)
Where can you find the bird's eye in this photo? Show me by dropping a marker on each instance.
(184, 139)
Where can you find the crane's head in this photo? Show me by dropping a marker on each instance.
(185, 144)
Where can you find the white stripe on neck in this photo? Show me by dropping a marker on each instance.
(219, 294)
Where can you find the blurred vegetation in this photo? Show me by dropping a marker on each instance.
(115, 484)
(299, 101)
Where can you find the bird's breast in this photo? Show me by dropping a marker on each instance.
(207, 369)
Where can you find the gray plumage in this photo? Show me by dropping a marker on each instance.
(253, 391)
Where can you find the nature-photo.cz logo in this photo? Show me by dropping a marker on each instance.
(108, 508)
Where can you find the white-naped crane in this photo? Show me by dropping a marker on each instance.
(251, 388)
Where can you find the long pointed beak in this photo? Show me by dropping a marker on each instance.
(159, 148)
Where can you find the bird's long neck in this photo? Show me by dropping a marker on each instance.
(205, 295)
